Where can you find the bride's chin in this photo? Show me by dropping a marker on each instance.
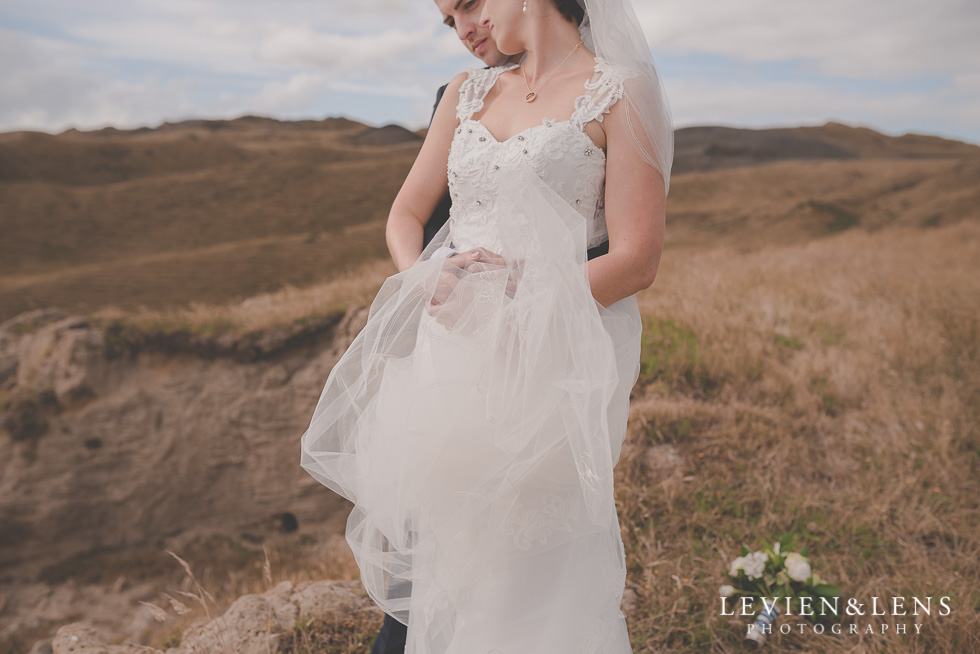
(510, 50)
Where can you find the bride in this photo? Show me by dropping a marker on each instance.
(476, 419)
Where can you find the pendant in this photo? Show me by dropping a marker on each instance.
(530, 96)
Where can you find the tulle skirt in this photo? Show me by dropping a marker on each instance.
(477, 439)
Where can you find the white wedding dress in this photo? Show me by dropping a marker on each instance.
(478, 444)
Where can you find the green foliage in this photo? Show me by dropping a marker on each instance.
(866, 542)
(670, 352)
(829, 334)
(673, 431)
(841, 219)
(788, 341)
(348, 629)
(775, 580)
(25, 327)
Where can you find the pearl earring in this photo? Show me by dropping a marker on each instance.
(524, 11)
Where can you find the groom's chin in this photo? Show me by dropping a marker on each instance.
(492, 57)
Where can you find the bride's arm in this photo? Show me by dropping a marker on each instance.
(425, 185)
(636, 207)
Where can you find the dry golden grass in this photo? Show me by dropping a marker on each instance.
(746, 209)
(799, 201)
(829, 389)
(200, 580)
(832, 390)
(261, 312)
(810, 361)
(189, 215)
(218, 211)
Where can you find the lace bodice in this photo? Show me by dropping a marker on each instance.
(559, 151)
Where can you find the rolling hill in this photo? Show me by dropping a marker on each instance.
(211, 210)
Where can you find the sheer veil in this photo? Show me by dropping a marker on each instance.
(478, 442)
(612, 31)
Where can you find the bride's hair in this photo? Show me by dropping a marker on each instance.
(571, 10)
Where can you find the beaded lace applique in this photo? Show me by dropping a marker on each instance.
(559, 151)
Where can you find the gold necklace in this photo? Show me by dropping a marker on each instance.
(531, 95)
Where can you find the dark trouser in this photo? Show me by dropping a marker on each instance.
(391, 638)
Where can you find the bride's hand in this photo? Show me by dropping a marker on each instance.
(452, 270)
(484, 259)
(456, 266)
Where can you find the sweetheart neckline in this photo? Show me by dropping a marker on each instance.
(544, 123)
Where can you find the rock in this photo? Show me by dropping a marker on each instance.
(25, 414)
(78, 638)
(66, 357)
(108, 443)
(253, 624)
(249, 625)
(125, 432)
(12, 333)
(322, 597)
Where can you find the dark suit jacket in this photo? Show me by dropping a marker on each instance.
(441, 213)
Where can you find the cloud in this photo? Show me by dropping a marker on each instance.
(753, 62)
(386, 52)
(43, 87)
(283, 98)
(894, 39)
(160, 61)
(696, 102)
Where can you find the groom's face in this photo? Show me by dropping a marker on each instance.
(464, 16)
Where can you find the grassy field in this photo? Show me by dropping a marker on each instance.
(211, 212)
(810, 360)
(189, 215)
(829, 389)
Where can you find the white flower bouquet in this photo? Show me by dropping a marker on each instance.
(782, 576)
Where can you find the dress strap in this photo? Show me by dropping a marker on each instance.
(475, 87)
(606, 87)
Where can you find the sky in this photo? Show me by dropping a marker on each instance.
(893, 65)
